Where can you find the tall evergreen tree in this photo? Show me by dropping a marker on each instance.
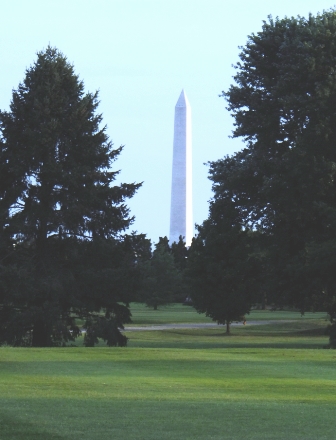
(62, 214)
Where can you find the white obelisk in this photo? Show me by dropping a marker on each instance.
(181, 222)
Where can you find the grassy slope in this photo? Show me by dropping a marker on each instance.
(243, 386)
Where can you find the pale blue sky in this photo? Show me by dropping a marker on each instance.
(140, 54)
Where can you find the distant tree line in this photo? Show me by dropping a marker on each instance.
(163, 274)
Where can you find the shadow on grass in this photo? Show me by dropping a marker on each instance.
(252, 337)
(14, 428)
(191, 346)
(296, 334)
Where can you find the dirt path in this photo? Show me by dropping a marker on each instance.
(196, 325)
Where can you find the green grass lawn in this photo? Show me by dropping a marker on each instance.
(205, 339)
(177, 313)
(172, 313)
(270, 381)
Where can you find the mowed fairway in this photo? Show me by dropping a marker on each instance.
(205, 386)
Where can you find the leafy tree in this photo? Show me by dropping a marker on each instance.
(163, 244)
(62, 214)
(282, 183)
(179, 251)
(161, 279)
(224, 266)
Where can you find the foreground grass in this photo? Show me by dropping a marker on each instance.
(272, 381)
(134, 393)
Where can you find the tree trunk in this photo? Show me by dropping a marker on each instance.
(227, 327)
(155, 306)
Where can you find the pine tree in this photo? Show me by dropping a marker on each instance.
(62, 214)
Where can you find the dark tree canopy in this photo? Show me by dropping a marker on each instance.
(282, 183)
(180, 253)
(280, 190)
(223, 267)
(62, 214)
(161, 279)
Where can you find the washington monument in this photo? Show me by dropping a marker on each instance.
(181, 222)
